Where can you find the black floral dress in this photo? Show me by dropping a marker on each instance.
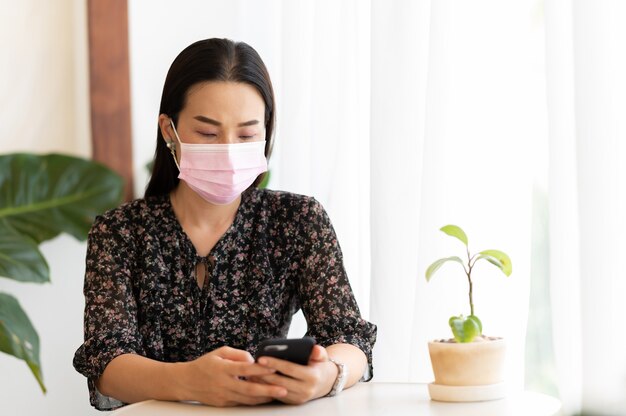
(142, 296)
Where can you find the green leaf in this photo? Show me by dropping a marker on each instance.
(20, 258)
(480, 324)
(18, 337)
(44, 195)
(437, 264)
(150, 166)
(454, 231)
(265, 181)
(465, 329)
(499, 259)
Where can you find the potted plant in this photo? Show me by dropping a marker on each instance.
(43, 196)
(469, 366)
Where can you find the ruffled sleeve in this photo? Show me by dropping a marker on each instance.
(326, 296)
(110, 320)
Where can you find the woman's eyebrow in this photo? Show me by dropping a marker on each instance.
(207, 120)
(248, 123)
(217, 123)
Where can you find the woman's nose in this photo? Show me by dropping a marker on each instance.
(229, 138)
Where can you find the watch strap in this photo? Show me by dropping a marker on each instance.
(340, 381)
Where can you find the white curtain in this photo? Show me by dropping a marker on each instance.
(467, 117)
(586, 62)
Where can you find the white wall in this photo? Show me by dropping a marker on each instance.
(43, 77)
(44, 108)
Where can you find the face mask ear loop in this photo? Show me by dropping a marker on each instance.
(171, 145)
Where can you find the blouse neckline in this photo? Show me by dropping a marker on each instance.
(186, 240)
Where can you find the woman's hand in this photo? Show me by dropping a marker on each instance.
(303, 383)
(222, 378)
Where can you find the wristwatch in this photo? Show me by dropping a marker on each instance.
(340, 381)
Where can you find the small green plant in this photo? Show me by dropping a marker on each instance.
(465, 329)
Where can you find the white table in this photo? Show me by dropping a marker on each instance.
(366, 399)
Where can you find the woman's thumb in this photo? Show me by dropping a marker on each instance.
(318, 354)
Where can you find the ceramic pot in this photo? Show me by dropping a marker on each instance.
(475, 369)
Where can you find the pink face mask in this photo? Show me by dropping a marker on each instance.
(219, 173)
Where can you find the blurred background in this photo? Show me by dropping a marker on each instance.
(503, 117)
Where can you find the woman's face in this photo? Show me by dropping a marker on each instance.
(218, 112)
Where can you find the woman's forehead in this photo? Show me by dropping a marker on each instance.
(227, 102)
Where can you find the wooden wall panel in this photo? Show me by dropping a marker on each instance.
(110, 87)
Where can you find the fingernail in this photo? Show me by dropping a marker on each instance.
(263, 361)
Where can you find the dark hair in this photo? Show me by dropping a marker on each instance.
(203, 61)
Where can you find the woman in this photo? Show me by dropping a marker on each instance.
(182, 285)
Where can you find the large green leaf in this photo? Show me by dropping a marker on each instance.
(455, 231)
(499, 259)
(44, 195)
(20, 258)
(18, 337)
(437, 264)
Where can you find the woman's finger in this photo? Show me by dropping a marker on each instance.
(251, 389)
(234, 354)
(240, 369)
(291, 384)
(287, 368)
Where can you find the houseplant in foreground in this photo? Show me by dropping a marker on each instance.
(468, 367)
(42, 196)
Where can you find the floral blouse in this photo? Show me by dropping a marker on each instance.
(280, 255)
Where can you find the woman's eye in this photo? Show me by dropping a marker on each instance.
(207, 134)
(247, 137)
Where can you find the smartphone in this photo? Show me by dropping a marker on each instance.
(296, 350)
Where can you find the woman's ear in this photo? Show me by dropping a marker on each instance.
(166, 128)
